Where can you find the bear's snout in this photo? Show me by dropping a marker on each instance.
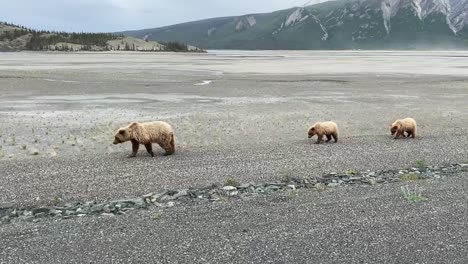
(116, 141)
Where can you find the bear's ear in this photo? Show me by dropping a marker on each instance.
(133, 125)
(312, 128)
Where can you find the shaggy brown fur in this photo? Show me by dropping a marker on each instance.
(146, 133)
(328, 129)
(400, 126)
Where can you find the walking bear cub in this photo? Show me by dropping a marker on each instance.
(147, 133)
(400, 126)
(328, 129)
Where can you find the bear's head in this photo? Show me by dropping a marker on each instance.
(124, 134)
(394, 128)
(312, 132)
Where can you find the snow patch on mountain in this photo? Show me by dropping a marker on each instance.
(245, 23)
(455, 11)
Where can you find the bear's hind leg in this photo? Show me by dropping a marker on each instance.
(135, 146)
(335, 136)
(329, 137)
(172, 143)
(149, 148)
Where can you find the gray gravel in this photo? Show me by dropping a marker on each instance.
(105, 177)
(242, 126)
(250, 123)
(360, 224)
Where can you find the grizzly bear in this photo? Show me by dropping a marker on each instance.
(400, 126)
(329, 129)
(147, 133)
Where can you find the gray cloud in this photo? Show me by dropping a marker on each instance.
(117, 15)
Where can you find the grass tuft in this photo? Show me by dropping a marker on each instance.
(231, 182)
(413, 195)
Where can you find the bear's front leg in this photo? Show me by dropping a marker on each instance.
(398, 134)
(135, 146)
(149, 148)
(319, 139)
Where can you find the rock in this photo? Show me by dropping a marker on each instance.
(97, 208)
(37, 211)
(355, 178)
(272, 188)
(370, 181)
(463, 165)
(27, 218)
(291, 186)
(229, 188)
(15, 213)
(69, 212)
(52, 153)
(107, 214)
(332, 184)
(169, 204)
(80, 215)
(244, 186)
(55, 212)
(33, 151)
(149, 195)
(39, 215)
(7, 205)
(320, 179)
(5, 219)
(27, 213)
(124, 203)
(371, 174)
(180, 193)
(154, 198)
(233, 193)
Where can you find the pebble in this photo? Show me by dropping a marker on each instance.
(33, 151)
(229, 188)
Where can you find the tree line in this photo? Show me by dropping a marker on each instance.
(44, 39)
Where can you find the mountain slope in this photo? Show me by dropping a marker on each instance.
(345, 24)
(13, 37)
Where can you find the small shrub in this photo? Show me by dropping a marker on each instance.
(56, 201)
(351, 172)
(320, 187)
(156, 216)
(287, 177)
(24, 146)
(420, 163)
(410, 177)
(231, 182)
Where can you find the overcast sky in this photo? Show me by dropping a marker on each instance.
(118, 15)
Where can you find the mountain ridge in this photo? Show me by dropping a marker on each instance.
(345, 24)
